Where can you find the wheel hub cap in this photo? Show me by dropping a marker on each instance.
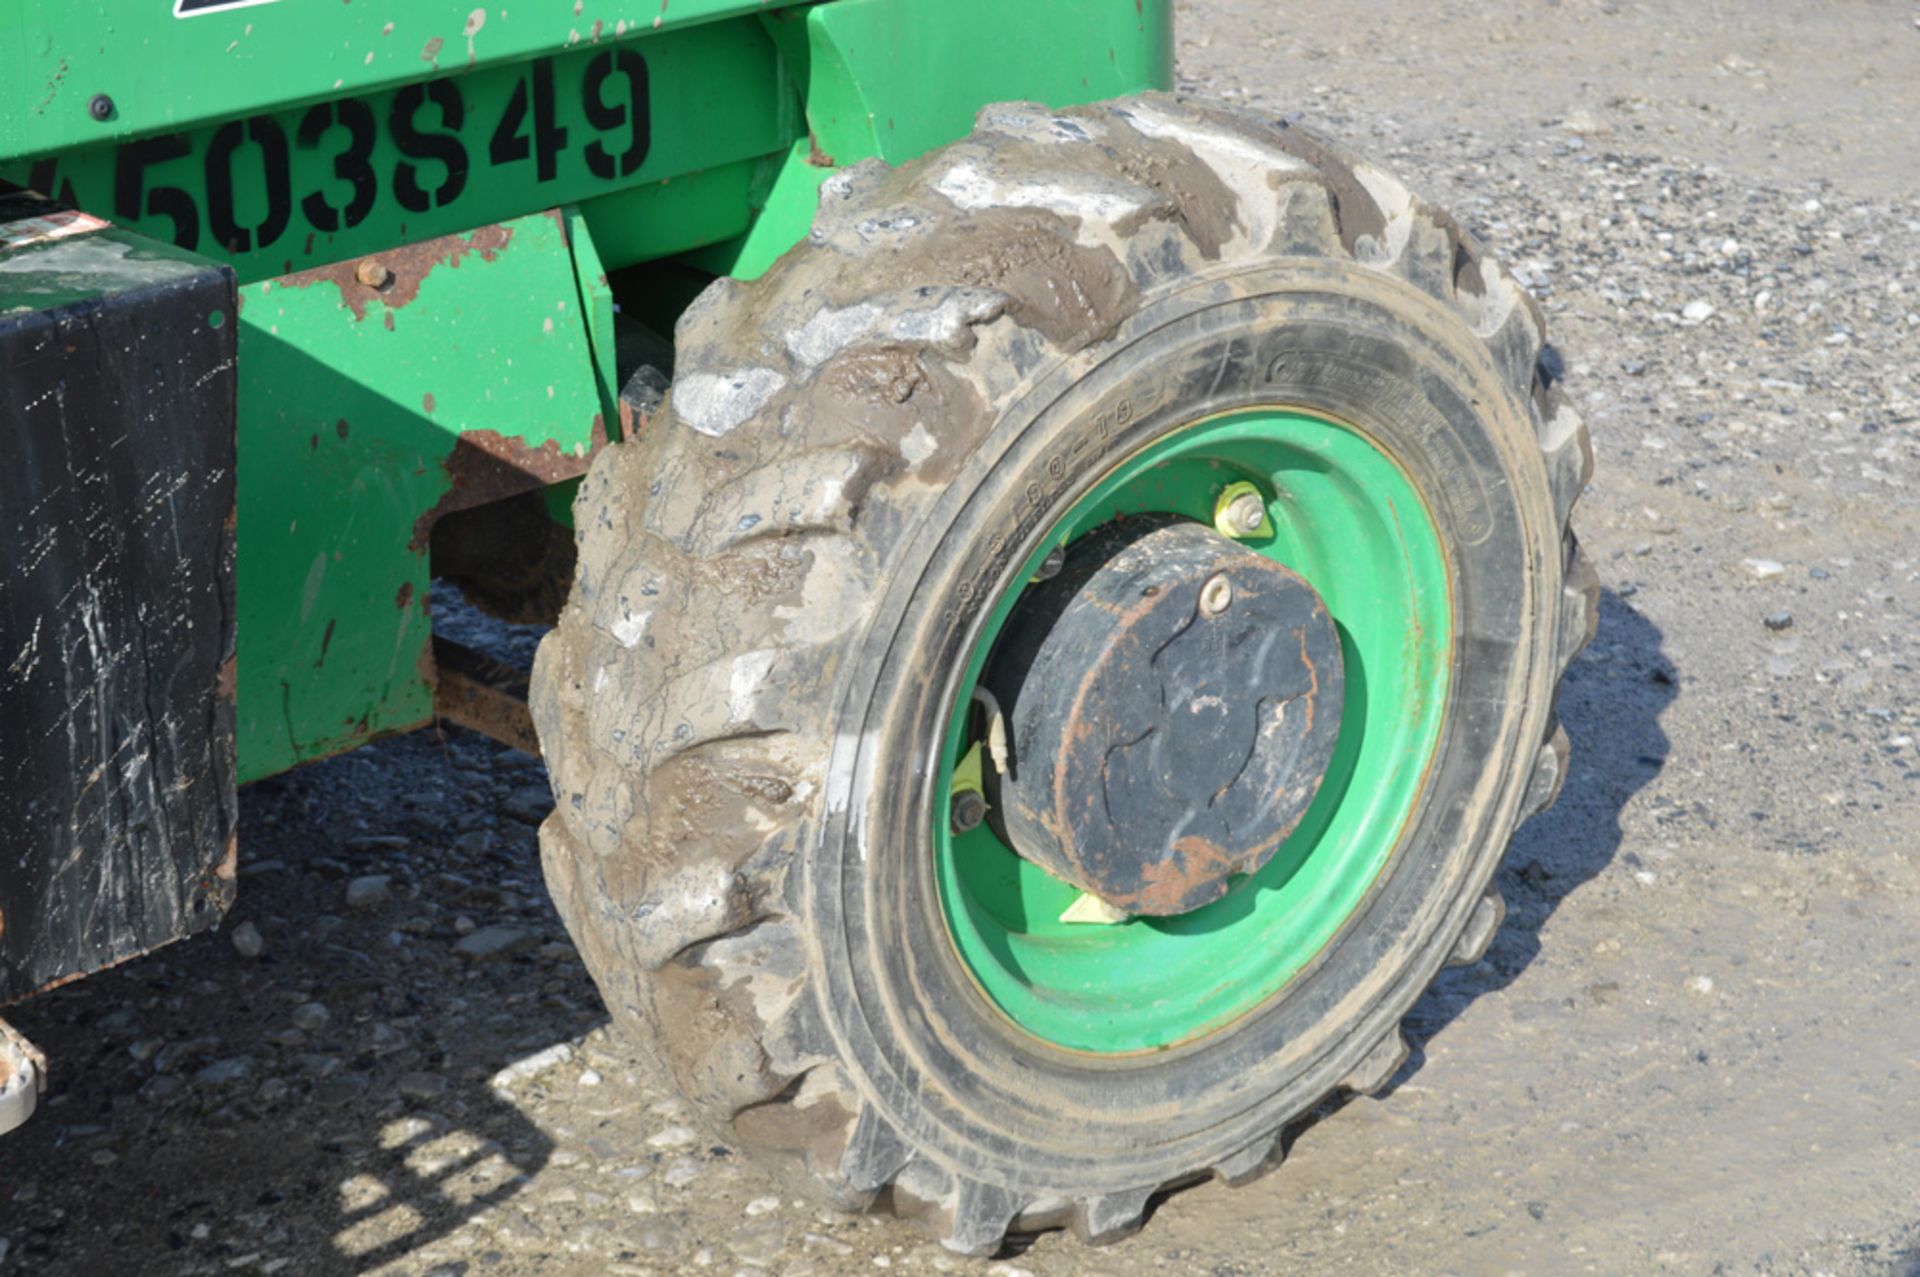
(1172, 701)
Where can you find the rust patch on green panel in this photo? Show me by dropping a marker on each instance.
(486, 466)
(383, 393)
(393, 278)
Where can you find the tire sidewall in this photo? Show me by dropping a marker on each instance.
(916, 1033)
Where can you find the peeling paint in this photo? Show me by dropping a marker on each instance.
(393, 277)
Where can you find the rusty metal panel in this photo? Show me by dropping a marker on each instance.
(116, 605)
(380, 396)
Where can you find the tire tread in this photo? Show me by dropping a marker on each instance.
(682, 786)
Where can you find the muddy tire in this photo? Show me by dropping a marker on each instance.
(780, 583)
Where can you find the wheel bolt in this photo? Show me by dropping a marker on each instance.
(1216, 594)
(1246, 514)
(968, 810)
(1051, 565)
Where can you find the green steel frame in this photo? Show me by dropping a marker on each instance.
(423, 205)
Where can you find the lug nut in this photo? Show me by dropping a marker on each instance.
(1051, 565)
(373, 273)
(1246, 514)
(969, 809)
(1216, 594)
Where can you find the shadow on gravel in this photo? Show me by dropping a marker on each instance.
(1610, 704)
(331, 1101)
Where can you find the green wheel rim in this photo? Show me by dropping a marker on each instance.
(1344, 516)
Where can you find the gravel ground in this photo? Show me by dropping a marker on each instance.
(1695, 1045)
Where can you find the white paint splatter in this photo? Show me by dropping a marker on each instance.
(1039, 126)
(970, 187)
(1221, 149)
(846, 749)
(629, 628)
(919, 444)
(475, 20)
(941, 323)
(829, 332)
(29, 655)
(1396, 205)
(714, 403)
(749, 672)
